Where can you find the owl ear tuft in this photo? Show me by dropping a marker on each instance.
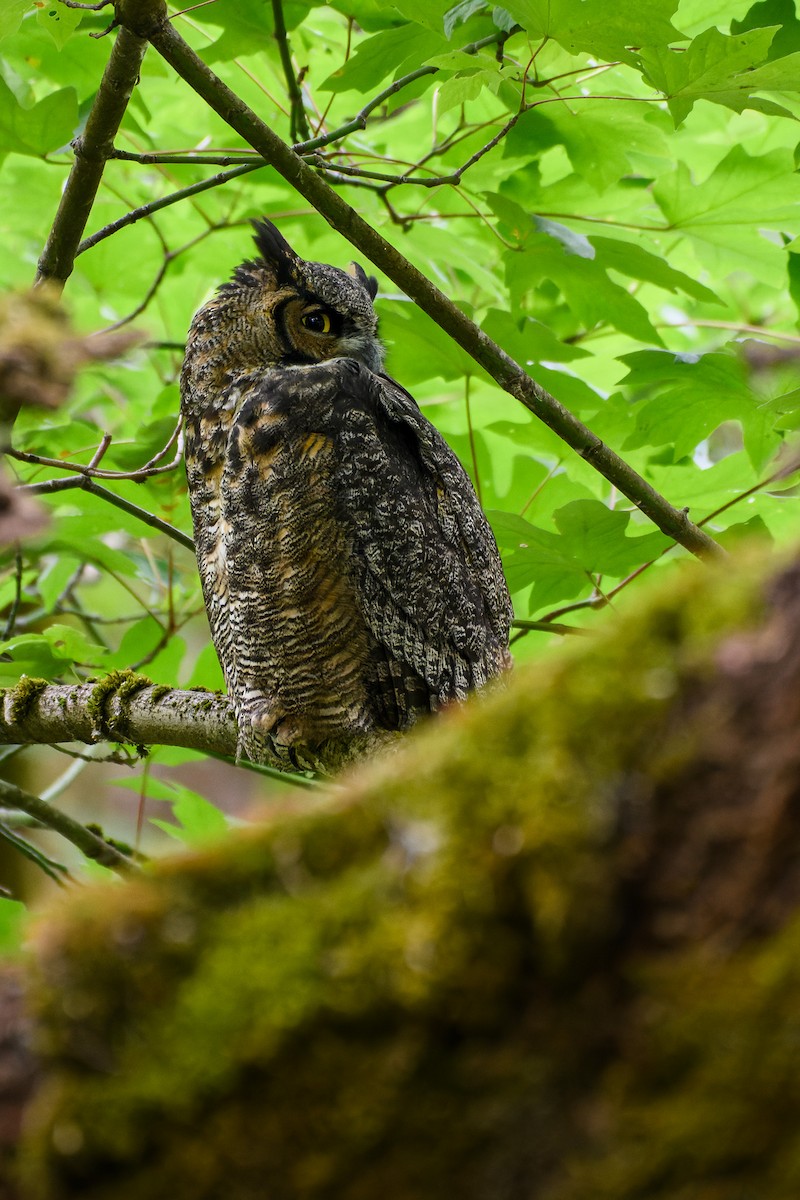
(275, 250)
(369, 282)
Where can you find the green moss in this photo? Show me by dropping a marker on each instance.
(708, 1088)
(408, 990)
(131, 683)
(23, 696)
(124, 684)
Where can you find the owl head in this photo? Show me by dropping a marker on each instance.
(318, 311)
(279, 310)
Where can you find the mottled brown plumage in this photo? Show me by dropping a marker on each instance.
(350, 577)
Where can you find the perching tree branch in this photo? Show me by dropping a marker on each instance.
(122, 707)
(148, 19)
(127, 707)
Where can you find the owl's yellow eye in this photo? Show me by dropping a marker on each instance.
(317, 322)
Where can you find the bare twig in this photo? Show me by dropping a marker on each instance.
(154, 206)
(186, 157)
(84, 483)
(427, 181)
(15, 603)
(88, 843)
(601, 601)
(91, 471)
(54, 870)
(298, 125)
(169, 257)
(359, 121)
(545, 626)
(733, 327)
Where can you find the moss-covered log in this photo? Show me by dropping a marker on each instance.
(551, 950)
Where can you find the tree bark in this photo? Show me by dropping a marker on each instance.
(121, 707)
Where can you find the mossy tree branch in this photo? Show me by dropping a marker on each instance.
(127, 707)
(120, 708)
(148, 18)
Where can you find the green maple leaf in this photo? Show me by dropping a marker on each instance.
(724, 69)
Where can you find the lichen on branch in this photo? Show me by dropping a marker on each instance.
(122, 707)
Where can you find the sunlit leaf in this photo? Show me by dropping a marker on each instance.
(595, 27)
(714, 67)
(58, 21)
(596, 536)
(38, 130)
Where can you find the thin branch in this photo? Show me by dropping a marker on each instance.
(545, 626)
(84, 483)
(124, 757)
(68, 776)
(601, 601)
(247, 165)
(183, 11)
(185, 157)
(169, 258)
(88, 7)
(783, 472)
(146, 471)
(432, 181)
(359, 121)
(298, 125)
(472, 447)
(734, 327)
(92, 149)
(15, 603)
(88, 843)
(154, 206)
(55, 870)
(502, 368)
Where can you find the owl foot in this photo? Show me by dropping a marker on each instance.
(295, 742)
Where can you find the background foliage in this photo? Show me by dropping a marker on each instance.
(609, 191)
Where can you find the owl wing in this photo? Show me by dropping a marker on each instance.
(341, 545)
(425, 559)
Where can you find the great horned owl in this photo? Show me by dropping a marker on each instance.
(351, 579)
